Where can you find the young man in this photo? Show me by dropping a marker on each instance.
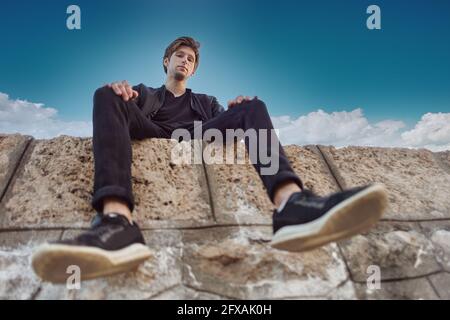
(302, 220)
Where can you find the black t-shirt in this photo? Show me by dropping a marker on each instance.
(176, 113)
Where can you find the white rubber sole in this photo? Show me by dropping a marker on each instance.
(50, 261)
(352, 216)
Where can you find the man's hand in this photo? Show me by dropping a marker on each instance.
(239, 100)
(122, 88)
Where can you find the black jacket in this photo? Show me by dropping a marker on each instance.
(151, 99)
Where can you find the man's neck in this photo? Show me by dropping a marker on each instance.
(178, 88)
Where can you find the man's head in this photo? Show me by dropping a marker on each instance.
(181, 58)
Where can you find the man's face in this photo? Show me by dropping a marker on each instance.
(181, 64)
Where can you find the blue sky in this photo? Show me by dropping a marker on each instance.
(297, 56)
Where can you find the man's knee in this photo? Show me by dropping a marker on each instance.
(105, 99)
(254, 106)
(256, 103)
(103, 94)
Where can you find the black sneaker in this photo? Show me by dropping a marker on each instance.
(111, 246)
(308, 221)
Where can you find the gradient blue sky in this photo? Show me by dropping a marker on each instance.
(296, 56)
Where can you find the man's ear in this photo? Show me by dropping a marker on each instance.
(166, 62)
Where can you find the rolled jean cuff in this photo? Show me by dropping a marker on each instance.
(280, 178)
(112, 191)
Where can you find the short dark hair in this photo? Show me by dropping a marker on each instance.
(183, 41)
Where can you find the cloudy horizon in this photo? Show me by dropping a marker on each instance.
(339, 128)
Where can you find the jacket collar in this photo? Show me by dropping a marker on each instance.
(162, 94)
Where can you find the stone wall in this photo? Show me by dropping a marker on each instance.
(209, 225)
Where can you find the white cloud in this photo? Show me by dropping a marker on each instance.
(20, 116)
(353, 128)
(432, 132)
(337, 128)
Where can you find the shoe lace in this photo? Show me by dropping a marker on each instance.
(308, 193)
(308, 197)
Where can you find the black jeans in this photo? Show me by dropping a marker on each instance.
(116, 123)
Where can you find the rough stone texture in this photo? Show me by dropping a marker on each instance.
(414, 289)
(17, 280)
(168, 193)
(441, 283)
(238, 263)
(439, 234)
(400, 250)
(52, 187)
(414, 179)
(11, 150)
(443, 158)
(345, 291)
(309, 165)
(209, 225)
(237, 192)
(185, 293)
(58, 173)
